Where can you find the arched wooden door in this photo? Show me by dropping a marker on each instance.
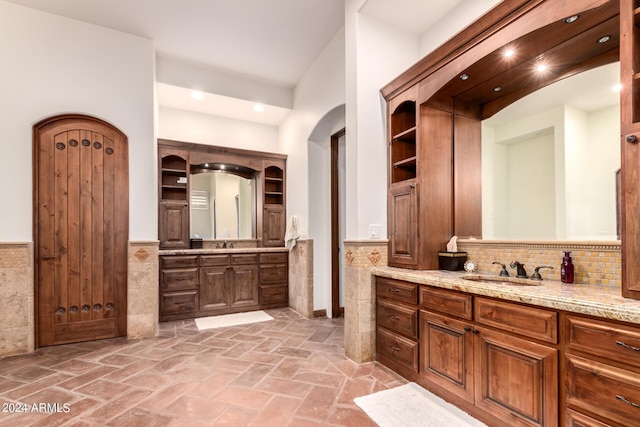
(81, 217)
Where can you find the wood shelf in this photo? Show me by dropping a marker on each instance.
(408, 135)
(406, 163)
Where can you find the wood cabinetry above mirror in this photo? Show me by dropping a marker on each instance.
(513, 50)
(251, 206)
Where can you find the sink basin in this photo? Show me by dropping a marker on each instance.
(497, 280)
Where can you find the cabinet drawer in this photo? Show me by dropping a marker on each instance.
(214, 260)
(397, 290)
(179, 302)
(273, 273)
(528, 321)
(273, 294)
(274, 258)
(446, 302)
(178, 261)
(244, 258)
(611, 392)
(397, 348)
(399, 318)
(606, 339)
(179, 279)
(576, 419)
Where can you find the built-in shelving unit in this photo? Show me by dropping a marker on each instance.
(403, 142)
(273, 186)
(636, 63)
(174, 178)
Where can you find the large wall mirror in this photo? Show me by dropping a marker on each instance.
(549, 162)
(223, 202)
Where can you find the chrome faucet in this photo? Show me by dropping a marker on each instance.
(520, 271)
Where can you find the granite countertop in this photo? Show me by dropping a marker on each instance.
(220, 251)
(596, 300)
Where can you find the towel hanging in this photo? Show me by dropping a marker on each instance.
(292, 234)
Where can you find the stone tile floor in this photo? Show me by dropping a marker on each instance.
(288, 372)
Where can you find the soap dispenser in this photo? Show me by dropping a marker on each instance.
(566, 268)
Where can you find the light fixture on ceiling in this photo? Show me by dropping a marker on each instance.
(258, 108)
(497, 88)
(509, 53)
(464, 76)
(571, 19)
(541, 67)
(604, 39)
(197, 95)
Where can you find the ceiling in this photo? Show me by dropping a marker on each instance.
(273, 41)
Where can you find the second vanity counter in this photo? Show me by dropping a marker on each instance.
(595, 300)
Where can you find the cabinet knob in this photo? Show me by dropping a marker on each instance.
(467, 328)
(412, 186)
(632, 139)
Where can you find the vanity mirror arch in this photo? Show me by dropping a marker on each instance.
(219, 194)
(468, 79)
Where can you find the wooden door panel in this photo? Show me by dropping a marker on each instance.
(516, 380)
(244, 286)
(447, 353)
(403, 223)
(80, 229)
(213, 288)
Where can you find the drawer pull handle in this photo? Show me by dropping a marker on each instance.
(397, 291)
(622, 398)
(391, 316)
(394, 348)
(630, 347)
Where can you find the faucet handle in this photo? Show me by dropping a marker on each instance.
(536, 274)
(503, 272)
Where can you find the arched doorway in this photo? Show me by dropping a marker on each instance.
(81, 217)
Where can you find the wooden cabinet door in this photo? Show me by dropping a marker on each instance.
(446, 353)
(516, 380)
(174, 225)
(630, 130)
(403, 225)
(274, 225)
(213, 288)
(243, 289)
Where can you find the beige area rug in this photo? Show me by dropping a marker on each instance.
(235, 319)
(412, 405)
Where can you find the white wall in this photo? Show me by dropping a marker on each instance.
(52, 65)
(188, 126)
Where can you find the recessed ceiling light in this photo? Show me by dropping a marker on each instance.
(197, 95)
(464, 76)
(259, 108)
(497, 88)
(571, 19)
(541, 67)
(604, 39)
(509, 52)
(617, 88)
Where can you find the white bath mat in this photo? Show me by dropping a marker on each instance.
(412, 405)
(225, 320)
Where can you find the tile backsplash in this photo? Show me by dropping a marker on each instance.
(595, 262)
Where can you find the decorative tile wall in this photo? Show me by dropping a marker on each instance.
(360, 297)
(594, 262)
(142, 289)
(17, 324)
(301, 278)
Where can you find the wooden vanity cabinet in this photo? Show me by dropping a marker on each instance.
(602, 366)
(397, 324)
(482, 354)
(210, 284)
(173, 206)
